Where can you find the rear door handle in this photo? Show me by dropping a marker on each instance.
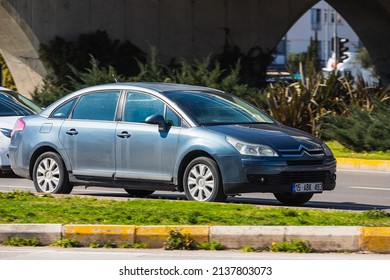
(72, 131)
(124, 134)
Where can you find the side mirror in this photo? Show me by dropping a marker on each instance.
(157, 119)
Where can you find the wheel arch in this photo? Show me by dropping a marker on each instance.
(185, 161)
(37, 153)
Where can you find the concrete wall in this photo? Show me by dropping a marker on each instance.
(192, 28)
(178, 28)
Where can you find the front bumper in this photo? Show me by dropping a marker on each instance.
(275, 175)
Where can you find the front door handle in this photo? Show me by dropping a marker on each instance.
(72, 131)
(124, 134)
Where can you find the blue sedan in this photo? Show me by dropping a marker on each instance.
(157, 136)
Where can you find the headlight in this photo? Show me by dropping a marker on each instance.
(251, 149)
(327, 150)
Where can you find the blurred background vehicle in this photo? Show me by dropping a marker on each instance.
(12, 106)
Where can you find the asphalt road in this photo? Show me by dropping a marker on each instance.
(355, 190)
(52, 253)
(85, 263)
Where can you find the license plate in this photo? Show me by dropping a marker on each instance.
(307, 187)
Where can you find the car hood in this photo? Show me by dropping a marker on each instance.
(277, 136)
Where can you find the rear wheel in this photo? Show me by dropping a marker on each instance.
(293, 199)
(139, 193)
(202, 181)
(50, 175)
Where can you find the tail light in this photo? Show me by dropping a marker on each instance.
(19, 126)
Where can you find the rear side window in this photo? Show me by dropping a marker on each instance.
(63, 111)
(97, 106)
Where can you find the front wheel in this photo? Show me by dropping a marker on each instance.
(202, 181)
(293, 199)
(50, 175)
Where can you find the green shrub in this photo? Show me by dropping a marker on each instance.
(362, 130)
(19, 241)
(66, 243)
(140, 245)
(291, 247)
(177, 241)
(248, 249)
(59, 53)
(304, 102)
(213, 245)
(109, 244)
(376, 214)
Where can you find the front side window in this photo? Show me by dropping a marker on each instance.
(172, 118)
(99, 105)
(139, 106)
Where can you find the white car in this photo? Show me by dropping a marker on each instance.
(12, 107)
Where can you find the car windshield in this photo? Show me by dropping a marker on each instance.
(214, 108)
(14, 104)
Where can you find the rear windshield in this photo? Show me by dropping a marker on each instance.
(11, 106)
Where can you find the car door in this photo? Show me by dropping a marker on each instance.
(142, 151)
(88, 136)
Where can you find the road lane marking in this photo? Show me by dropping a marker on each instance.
(362, 171)
(14, 187)
(370, 188)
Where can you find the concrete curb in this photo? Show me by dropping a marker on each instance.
(47, 233)
(363, 164)
(320, 238)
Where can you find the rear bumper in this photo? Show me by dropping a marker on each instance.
(4, 160)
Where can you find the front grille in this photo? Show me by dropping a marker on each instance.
(300, 177)
(304, 162)
(287, 178)
(301, 151)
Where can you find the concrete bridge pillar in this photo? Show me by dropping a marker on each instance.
(20, 50)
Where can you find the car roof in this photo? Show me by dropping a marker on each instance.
(151, 87)
(154, 86)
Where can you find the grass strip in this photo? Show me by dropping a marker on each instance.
(340, 151)
(26, 207)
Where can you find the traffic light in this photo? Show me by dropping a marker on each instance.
(342, 49)
(339, 48)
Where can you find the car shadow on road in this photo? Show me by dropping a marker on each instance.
(352, 206)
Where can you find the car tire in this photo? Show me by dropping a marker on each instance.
(293, 199)
(50, 174)
(139, 193)
(202, 181)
